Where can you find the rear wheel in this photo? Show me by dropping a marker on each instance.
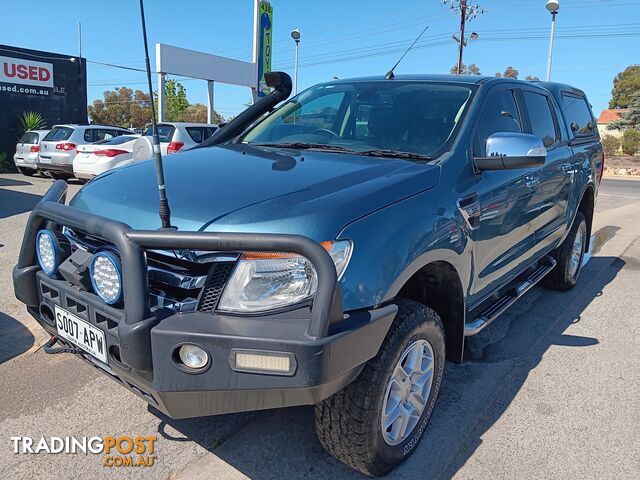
(375, 423)
(27, 172)
(569, 257)
(59, 175)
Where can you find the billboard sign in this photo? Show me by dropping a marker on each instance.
(26, 72)
(265, 31)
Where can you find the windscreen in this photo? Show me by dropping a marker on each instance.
(29, 137)
(58, 134)
(416, 117)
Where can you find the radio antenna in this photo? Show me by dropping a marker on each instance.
(163, 207)
(390, 75)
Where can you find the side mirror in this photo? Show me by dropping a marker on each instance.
(506, 151)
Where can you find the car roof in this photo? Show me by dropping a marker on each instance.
(186, 124)
(464, 79)
(88, 125)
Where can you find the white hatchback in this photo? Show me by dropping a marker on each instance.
(26, 157)
(175, 136)
(97, 158)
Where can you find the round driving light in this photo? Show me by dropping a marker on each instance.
(48, 251)
(106, 276)
(193, 356)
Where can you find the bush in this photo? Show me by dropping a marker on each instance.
(611, 144)
(631, 141)
(5, 164)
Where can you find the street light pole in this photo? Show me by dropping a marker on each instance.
(552, 6)
(295, 34)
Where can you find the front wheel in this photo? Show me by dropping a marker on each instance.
(27, 172)
(375, 423)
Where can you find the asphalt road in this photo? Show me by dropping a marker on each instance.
(550, 390)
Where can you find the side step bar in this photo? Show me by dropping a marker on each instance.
(495, 310)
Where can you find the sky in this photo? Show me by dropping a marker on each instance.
(595, 39)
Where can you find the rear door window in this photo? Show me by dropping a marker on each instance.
(58, 134)
(540, 117)
(500, 114)
(579, 116)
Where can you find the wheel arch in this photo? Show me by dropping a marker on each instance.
(586, 207)
(438, 285)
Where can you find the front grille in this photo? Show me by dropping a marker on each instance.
(216, 281)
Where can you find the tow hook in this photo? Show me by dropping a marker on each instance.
(48, 347)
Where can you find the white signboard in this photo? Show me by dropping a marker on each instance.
(190, 63)
(26, 72)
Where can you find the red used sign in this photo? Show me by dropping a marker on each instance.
(26, 72)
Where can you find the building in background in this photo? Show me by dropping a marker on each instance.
(51, 84)
(606, 118)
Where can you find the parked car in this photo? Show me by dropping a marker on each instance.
(58, 147)
(176, 136)
(332, 251)
(26, 156)
(96, 158)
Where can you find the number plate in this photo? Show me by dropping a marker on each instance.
(81, 334)
(45, 159)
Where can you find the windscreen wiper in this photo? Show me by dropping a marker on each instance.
(305, 146)
(393, 154)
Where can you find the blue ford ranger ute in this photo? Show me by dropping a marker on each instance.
(333, 250)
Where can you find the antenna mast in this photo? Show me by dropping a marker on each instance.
(163, 207)
(390, 75)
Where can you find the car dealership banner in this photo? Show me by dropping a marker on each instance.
(51, 84)
(265, 40)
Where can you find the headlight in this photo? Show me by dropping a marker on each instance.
(266, 281)
(48, 251)
(106, 276)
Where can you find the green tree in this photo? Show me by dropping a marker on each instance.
(611, 145)
(630, 118)
(510, 72)
(121, 107)
(472, 69)
(197, 112)
(631, 141)
(175, 101)
(625, 85)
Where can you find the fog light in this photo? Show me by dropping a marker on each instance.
(48, 251)
(279, 363)
(193, 356)
(106, 276)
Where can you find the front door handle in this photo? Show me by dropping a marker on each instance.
(532, 180)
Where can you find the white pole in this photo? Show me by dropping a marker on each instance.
(553, 29)
(295, 75)
(256, 46)
(161, 97)
(210, 111)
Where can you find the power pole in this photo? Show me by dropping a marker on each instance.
(463, 18)
(467, 13)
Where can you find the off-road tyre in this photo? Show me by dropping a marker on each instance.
(348, 423)
(561, 278)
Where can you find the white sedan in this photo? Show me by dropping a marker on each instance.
(96, 158)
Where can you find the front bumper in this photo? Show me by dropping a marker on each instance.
(329, 347)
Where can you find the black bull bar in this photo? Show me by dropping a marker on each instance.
(135, 344)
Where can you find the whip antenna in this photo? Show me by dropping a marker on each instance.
(390, 75)
(163, 207)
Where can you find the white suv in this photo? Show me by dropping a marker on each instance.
(175, 136)
(58, 147)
